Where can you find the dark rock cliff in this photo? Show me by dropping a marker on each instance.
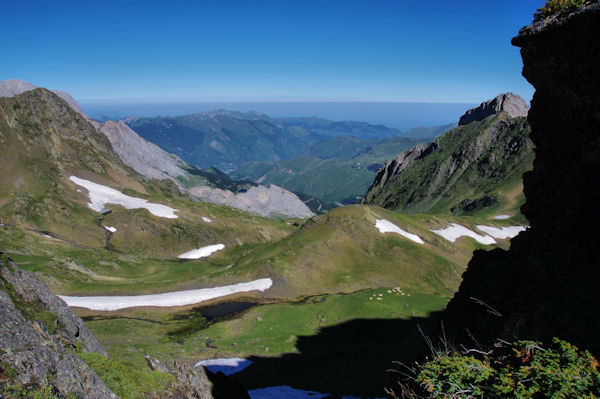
(547, 283)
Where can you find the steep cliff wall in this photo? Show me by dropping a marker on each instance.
(548, 283)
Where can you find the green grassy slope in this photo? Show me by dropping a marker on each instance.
(43, 143)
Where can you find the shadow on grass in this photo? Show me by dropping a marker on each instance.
(352, 358)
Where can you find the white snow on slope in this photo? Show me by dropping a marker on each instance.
(455, 231)
(385, 226)
(501, 232)
(207, 220)
(111, 229)
(101, 195)
(201, 252)
(178, 298)
(226, 366)
(500, 217)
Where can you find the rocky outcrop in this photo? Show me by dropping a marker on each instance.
(12, 87)
(146, 158)
(509, 103)
(31, 289)
(401, 163)
(197, 382)
(460, 172)
(260, 200)
(37, 335)
(547, 283)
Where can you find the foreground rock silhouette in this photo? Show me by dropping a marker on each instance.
(547, 283)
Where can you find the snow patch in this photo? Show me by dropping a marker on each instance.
(111, 229)
(226, 366)
(284, 392)
(207, 220)
(178, 298)
(501, 232)
(385, 226)
(101, 195)
(287, 392)
(500, 217)
(201, 252)
(455, 231)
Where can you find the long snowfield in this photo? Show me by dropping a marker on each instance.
(178, 298)
(455, 231)
(385, 226)
(101, 195)
(201, 252)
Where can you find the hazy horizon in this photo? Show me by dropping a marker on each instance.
(400, 115)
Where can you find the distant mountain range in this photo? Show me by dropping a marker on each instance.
(227, 140)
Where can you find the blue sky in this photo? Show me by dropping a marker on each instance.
(407, 51)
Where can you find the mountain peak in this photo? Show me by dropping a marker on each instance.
(12, 87)
(510, 103)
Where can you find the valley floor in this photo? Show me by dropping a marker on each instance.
(374, 279)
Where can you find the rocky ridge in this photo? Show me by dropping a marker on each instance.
(146, 158)
(12, 87)
(461, 171)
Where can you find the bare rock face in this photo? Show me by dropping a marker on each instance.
(510, 103)
(12, 87)
(146, 158)
(398, 165)
(260, 200)
(32, 289)
(37, 330)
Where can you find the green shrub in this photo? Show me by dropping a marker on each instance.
(554, 6)
(450, 374)
(520, 370)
